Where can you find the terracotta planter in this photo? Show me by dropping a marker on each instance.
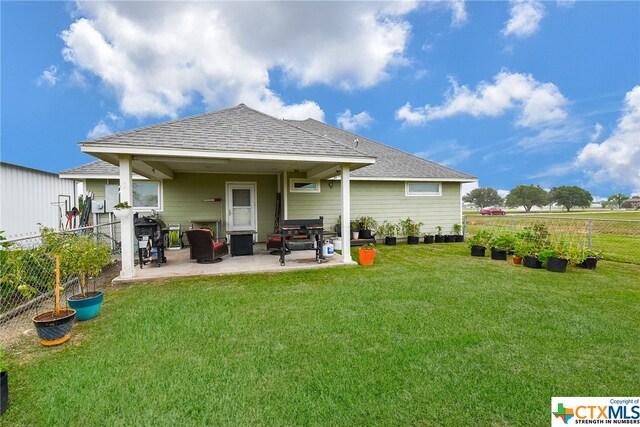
(516, 259)
(478, 250)
(52, 328)
(366, 256)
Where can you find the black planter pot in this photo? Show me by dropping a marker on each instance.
(531, 262)
(478, 250)
(558, 265)
(390, 241)
(4, 391)
(428, 239)
(365, 234)
(54, 331)
(498, 254)
(459, 238)
(413, 240)
(438, 238)
(589, 263)
(448, 238)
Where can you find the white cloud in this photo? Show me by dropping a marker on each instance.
(597, 131)
(48, 76)
(616, 159)
(115, 123)
(552, 137)
(539, 103)
(459, 12)
(159, 57)
(525, 18)
(566, 3)
(353, 122)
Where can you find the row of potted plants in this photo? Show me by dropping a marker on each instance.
(533, 247)
(411, 230)
(57, 262)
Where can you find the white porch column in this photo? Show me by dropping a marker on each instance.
(345, 185)
(285, 196)
(126, 224)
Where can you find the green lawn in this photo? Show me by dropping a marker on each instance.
(428, 336)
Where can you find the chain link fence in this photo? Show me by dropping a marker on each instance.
(618, 239)
(28, 273)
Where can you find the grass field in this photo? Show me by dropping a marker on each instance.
(597, 214)
(428, 335)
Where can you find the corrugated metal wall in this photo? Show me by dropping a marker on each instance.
(28, 197)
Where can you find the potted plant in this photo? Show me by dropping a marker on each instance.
(367, 226)
(457, 231)
(390, 232)
(411, 230)
(586, 257)
(439, 238)
(518, 250)
(4, 384)
(429, 238)
(366, 254)
(122, 210)
(530, 254)
(92, 256)
(479, 242)
(501, 244)
(556, 257)
(355, 229)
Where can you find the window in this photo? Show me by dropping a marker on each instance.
(304, 186)
(423, 189)
(147, 195)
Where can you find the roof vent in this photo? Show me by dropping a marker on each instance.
(356, 142)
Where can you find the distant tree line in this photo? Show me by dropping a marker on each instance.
(528, 196)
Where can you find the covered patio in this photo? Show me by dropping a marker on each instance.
(179, 265)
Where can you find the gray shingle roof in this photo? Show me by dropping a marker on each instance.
(99, 167)
(390, 162)
(236, 129)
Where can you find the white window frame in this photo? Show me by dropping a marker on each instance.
(294, 181)
(409, 193)
(160, 206)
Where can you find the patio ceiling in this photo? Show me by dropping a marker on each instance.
(155, 165)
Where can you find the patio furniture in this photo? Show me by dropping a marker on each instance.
(241, 242)
(204, 248)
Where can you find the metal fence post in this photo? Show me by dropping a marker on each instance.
(464, 225)
(589, 231)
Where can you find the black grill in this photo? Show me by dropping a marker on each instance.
(150, 233)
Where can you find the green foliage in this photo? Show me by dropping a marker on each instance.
(355, 225)
(367, 223)
(457, 229)
(409, 227)
(368, 246)
(481, 238)
(527, 196)
(174, 238)
(122, 205)
(504, 241)
(3, 365)
(388, 229)
(483, 197)
(439, 230)
(616, 200)
(570, 196)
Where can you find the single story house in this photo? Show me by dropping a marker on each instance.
(246, 169)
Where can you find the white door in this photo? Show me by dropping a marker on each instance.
(241, 207)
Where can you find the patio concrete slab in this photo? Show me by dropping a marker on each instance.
(179, 265)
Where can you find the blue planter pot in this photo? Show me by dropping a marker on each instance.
(86, 308)
(52, 328)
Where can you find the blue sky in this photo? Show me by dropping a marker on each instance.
(513, 92)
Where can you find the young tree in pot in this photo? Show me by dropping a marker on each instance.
(479, 242)
(390, 232)
(501, 244)
(368, 226)
(585, 257)
(457, 231)
(411, 230)
(439, 238)
(530, 254)
(92, 256)
(555, 258)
